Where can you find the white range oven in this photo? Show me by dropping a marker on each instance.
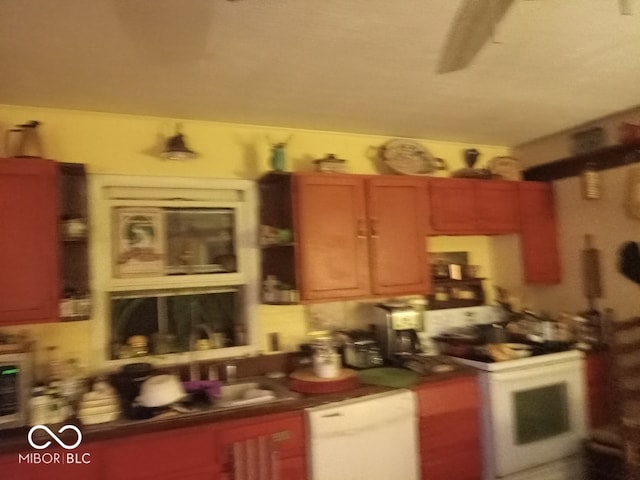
(533, 416)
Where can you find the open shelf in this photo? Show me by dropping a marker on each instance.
(458, 293)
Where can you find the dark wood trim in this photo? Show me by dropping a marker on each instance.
(602, 159)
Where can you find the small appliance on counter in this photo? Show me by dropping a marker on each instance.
(360, 349)
(397, 324)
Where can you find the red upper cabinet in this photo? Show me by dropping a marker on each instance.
(360, 235)
(397, 208)
(497, 206)
(332, 233)
(29, 285)
(452, 206)
(473, 207)
(539, 237)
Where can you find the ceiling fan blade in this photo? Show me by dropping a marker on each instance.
(472, 27)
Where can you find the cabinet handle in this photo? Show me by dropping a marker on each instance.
(362, 228)
(373, 225)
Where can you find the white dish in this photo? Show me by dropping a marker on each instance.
(160, 390)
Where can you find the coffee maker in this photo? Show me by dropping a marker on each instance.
(397, 324)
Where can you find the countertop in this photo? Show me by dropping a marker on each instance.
(15, 440)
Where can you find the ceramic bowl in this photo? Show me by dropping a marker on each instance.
(160, 391)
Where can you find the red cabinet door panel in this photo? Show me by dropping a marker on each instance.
(331, 225)
(29, 282)
(539, 236)
(497, 206)
(81, 463)
(161, 455)
(397, 208)
(452, 206)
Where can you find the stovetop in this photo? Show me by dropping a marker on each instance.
(540, 357)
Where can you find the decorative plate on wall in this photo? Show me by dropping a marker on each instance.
(408, 157)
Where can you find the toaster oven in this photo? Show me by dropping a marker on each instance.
(15, 384)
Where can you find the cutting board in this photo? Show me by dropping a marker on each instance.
(305, 381)
(389, 377)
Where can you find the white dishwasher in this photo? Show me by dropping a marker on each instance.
(367, 438)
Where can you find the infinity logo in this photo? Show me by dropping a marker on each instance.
(54, 436)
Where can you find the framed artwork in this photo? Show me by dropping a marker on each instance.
(139, 244)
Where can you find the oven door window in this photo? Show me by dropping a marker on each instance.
(540, 413)
(9, 385)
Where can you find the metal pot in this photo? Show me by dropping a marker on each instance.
(492, 333)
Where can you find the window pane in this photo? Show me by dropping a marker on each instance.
(177, 322)
(200, 240)
(540, 413)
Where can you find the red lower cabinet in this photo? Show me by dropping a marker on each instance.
(450, 446)
(600, 410)
(266, 448)
(181, 454)
(81, 463)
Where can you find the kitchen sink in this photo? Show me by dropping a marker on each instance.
(252, 391)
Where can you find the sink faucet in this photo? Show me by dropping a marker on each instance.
(230, 372)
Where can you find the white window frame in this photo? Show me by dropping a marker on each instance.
(108, 191)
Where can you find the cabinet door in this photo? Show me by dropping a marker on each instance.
(172, 454)
(397, 213)
(268, 448)
(452, 206)
(539, 239)
(450, 446)
(29, 289)
(81, 463)
(497, 206)
(600, 407)
(331, 230)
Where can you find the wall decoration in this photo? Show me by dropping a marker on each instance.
(139, 247)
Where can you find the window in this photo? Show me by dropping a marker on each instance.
(175, 267)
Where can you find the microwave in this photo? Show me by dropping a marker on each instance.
(15, 385)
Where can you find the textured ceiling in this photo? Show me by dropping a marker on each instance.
(364, 66)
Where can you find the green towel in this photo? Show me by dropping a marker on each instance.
(388, 377)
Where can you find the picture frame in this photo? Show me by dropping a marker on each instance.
(139, 242)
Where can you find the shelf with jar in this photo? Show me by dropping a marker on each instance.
(450, 293)
(277, 240)
(75, 299)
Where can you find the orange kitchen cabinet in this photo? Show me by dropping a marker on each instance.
(462, 206)
(271, 447)
(452, 203)
(360, 235)
(81, 463)
(538, 233)
(497, 206)
(600, 409)
(185, 453)
(29, 259)
(449, 427)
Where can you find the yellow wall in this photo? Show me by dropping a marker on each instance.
(125, 144)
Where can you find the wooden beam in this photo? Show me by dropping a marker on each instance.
(602, 159)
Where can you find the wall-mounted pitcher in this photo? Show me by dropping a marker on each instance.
(23, 140)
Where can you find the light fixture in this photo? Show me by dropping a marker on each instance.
(176, 149)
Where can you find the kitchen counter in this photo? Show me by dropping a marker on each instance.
(15, 440)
